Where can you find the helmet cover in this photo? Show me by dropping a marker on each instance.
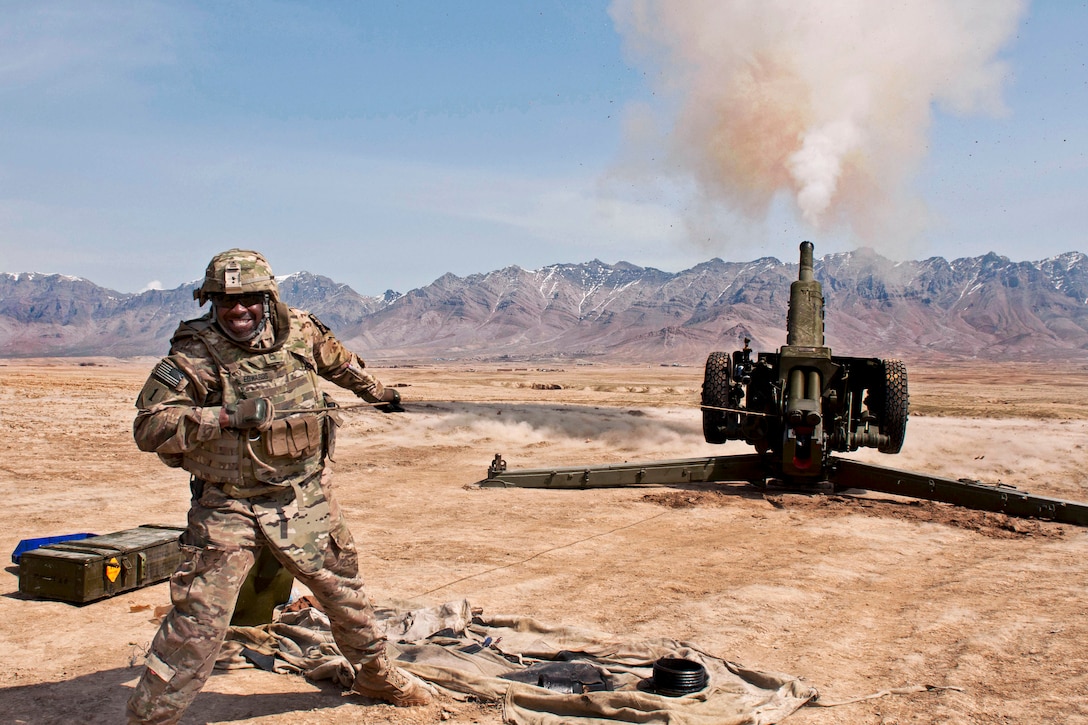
(237, 272)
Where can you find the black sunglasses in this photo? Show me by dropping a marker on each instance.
(232, 300)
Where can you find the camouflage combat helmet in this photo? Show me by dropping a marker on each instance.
(237, 272)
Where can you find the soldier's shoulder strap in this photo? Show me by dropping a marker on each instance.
(303, 323)
(189, 329)
(196, 334)
(322, 328)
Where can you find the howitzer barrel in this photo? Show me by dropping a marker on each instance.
(805, 320)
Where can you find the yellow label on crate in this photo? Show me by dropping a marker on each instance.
(113, 569)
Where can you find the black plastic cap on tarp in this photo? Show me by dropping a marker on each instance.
(675, 676)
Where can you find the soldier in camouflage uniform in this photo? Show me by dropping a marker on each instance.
(237, 404)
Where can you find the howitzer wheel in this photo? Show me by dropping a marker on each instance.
(893, 406)
(716, 382)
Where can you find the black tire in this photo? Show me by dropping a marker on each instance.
(716, 381)
(894, 406)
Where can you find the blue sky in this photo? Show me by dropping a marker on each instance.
(384, 144)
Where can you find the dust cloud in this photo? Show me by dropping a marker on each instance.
(631, 433)
(1047, 457)
(827, 103)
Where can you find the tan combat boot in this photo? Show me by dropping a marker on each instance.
(380, 679)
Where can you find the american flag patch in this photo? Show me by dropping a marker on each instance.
(168, 375)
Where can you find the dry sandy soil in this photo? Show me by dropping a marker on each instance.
(853, 595)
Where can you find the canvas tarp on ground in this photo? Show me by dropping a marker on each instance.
(468, 653)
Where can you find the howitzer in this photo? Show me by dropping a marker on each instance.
(801, 403)
(795, 407)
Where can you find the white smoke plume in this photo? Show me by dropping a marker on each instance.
(829, 102)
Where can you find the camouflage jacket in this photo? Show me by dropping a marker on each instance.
(179, 405)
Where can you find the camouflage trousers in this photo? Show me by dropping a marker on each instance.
(304, 529)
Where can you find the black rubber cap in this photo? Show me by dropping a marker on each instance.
(674, 676)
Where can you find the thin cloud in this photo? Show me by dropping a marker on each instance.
(75, 47)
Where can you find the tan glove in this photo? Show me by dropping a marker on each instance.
(249, 414)
(391, 400)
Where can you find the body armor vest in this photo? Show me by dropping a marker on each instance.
(294, 447)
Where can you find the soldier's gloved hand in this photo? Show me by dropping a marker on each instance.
(391, 400)
(249, 414)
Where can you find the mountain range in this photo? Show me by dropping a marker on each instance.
(985, 307)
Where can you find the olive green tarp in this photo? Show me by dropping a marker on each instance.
(465, 653)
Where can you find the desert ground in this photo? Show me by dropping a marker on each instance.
(856, 595)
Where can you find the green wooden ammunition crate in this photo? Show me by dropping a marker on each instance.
(101, 566)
